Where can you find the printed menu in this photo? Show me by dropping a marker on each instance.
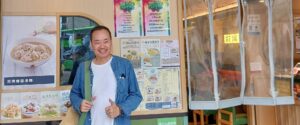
(160, 89)
(131, 49)
(169, 53)
(49, 104)
(64, 102)
(30, 104)
(10, 106)
(151, 53)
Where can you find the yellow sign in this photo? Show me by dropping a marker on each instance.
(231, 38)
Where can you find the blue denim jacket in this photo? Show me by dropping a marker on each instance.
(128, 95)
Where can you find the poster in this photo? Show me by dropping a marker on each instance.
(49, 104)
(64, 102)
(156, 17)
(150, 53)
(10, 106)
(27, 105)
(169, 53)
(30, 104)
(128, 19)
(131, 49)
(254, 24)
(160, 89)
(29, 52)
(297, 33)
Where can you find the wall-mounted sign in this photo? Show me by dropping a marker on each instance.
(29, 52)
(156, 17)
(231, 38)
(128, 18)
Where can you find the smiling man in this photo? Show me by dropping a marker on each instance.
(115, 91)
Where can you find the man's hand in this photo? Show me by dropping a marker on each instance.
(113, 110)
(85, 106)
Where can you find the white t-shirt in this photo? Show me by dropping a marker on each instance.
(104, 88)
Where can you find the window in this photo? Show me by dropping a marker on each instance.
(74, 45)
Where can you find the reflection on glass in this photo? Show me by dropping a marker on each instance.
(282, 41)
(226, 32)
(255, 34)
(74, 45)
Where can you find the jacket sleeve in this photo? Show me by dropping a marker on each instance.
(76, 95)
(134, 95)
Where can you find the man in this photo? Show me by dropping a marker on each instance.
(115, 91)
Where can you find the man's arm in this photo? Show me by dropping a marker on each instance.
(134, 95)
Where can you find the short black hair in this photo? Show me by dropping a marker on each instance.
(100, 27)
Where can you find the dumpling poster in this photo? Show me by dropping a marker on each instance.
(29, 52)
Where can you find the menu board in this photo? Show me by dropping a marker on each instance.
(160, 89)
(156, 64)
(27, 105)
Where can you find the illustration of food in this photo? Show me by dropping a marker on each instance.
(29, 110)
(49, 110)
(129, 57)
(31, 107)
(11, 111)
(133, 52)
(153, 52)
(153, 79)
(147, 60)
(31, 52)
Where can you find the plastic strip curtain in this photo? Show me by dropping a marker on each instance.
(214, 61)
(267, 34)
(228, 56)
(232, 62)
(199, 50)
(282, 25)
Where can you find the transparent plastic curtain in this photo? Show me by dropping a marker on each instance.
(268, 51)
(255, 70)
(228, 57)
(199, 49)
(255, 36)
(282, 35)
(214, 65)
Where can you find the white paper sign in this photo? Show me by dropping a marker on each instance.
(255, 66)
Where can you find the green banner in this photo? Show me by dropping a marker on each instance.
(166, 121)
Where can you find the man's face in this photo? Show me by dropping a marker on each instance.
(101, 44)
